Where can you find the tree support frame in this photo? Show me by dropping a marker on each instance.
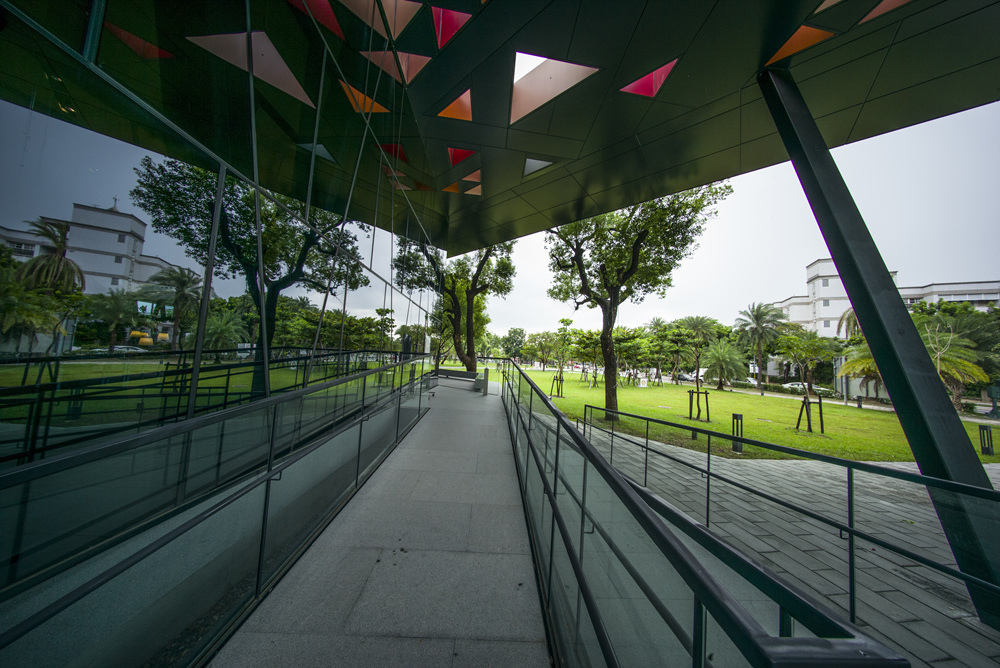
(935, 433)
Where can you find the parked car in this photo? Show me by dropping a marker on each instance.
(801, 387)
(119, 349)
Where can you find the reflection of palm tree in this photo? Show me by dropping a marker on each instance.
(23, 312)
(724, 362)
(179, 287)
(114, 309)
(759, 326)
(52, 271)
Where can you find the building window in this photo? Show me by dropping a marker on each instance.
(826, 302)
(114, 281)
(21, 250)
(826, 282)
(118, 259)
(826, 323)
(121, 238)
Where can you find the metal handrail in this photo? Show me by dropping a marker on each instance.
(745, 632)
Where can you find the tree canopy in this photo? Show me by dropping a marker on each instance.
(608, 260)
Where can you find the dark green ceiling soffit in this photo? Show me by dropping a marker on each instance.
(632, 99)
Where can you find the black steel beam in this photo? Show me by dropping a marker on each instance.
(939, 442)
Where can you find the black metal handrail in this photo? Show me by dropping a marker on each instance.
(745, 632)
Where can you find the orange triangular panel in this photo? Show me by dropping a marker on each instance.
(453, 188)
(461, 108)
(550, 79)
(803, 38)
(361, 102)
(475, 176)
(457, 155)
(421, 186)
(478, 190)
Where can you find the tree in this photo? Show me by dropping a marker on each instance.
(181, 289)
(805, 348)
(224, 329)
(465, 283)
(860, 363)
(848, 322)
(701, 331)
(541, 345)
(952, 352)
(724, 362)
(759, 326)
(180, 199)
(114, 309)
(608, 260)
(23, 312)
(52, 271)
(512, 342)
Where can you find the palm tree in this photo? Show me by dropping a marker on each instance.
(759, 325)
(702, 331)
(179, 287)
(23, 312)
(860, 363)
(953, 354)
(52, 271)
(724, 362)
(114, 309)
(849, 323)
(224, 329)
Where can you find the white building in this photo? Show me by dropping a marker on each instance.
(106, 244)
(826, 300)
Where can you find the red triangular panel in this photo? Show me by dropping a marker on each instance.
(447, 22)
(141, 47)
(322, 12)
(457, 155)
(395, 150)
(649, 85)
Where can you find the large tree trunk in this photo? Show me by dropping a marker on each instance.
(470, 332)
(610, 363)
(760, 359)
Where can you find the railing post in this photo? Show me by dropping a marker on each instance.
(708, 483)
(786, 623)
(645, 465)
(698, 632)
(851, 584)
(611, 454)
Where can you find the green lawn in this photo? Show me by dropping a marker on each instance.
(850, 433)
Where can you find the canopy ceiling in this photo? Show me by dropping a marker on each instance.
(632, 99)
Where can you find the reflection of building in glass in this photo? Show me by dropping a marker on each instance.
(826, 299)
(106, 244)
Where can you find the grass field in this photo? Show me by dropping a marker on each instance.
(850, 433)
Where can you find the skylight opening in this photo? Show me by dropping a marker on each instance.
(524, 63)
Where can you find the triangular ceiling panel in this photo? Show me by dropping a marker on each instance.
(322, 12)
(421, 186)
(475, 176)
(461, 108)
(399, 186)
(399, 13)
(882, 8)
(453, 188)
(268, 65)
(410, 63)
(321, 151)
(395, 150)
(650, 84)
(477, 190)
(531, 165)
(361, 102)
(457, 155)
(803, 38)
(826, 5)
(548, 80)
(447, 22)
(139, 46)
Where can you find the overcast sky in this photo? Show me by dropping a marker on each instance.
(930, 195)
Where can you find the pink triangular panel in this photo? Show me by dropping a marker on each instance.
(447, 22)
(322, 12)
(268, 65)
(477, 190)
(399, 186)
(410, 63)
(389, 171)
(649, 85)
(475, 176)
(398, 12)
(141, 47)
(395, 150)
(542, 84)
(457, 155)
(826, 5)
(882, 8)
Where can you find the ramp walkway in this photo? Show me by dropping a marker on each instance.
(429, 564)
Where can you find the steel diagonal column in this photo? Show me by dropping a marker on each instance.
(939, 442)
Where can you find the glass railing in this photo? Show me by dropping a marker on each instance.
(621, 587)
(73, 401)
(151, 548)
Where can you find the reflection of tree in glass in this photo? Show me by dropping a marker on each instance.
(180, 198)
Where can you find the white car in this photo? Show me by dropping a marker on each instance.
(801, 387)
(119, 349)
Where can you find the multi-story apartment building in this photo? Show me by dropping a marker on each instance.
(826, 300)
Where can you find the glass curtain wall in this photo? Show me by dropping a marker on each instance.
(201, 208)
